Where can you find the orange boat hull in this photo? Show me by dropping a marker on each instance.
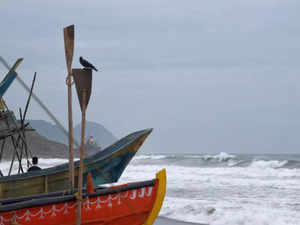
(129, 207)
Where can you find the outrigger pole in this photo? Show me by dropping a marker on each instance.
(69, 50)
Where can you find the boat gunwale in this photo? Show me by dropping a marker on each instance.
(36, 202)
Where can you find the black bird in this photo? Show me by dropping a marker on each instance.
(86, 64)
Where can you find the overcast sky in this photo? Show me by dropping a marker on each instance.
(207, 75)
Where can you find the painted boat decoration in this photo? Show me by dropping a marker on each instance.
(133, 203)
(105, 166)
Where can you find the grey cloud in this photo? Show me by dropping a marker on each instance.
(209, 76)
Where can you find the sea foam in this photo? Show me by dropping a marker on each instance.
(262, 193)
(268, 164)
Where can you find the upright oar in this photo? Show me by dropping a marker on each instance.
(83, 83)
(69, 49)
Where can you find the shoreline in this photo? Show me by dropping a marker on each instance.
(167, 221)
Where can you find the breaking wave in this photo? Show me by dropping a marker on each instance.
(268, 164)
(221, 159)
(151, 156)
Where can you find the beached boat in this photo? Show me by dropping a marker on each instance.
(128, 204)
(105, 166)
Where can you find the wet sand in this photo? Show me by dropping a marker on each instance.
(167, 221)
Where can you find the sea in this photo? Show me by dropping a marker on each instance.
(223, 188)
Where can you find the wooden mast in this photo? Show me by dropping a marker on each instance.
(69, 50)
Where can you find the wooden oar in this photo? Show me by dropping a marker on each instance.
(69, 50)
(82, 147)
(83, 83)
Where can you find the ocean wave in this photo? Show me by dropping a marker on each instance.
(258, 215)
(221, 157)
(226, 213)
(187, 210)
(223, 196)
(233, 163)
(268, 164)
(152, 156)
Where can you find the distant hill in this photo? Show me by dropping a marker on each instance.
(48, 141)
(102, 136)
(39, 146)
(44, 148)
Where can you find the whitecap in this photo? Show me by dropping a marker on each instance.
(268, 164)
(221, 157)
(151, 156)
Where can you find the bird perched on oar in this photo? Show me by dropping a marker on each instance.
(86, 64)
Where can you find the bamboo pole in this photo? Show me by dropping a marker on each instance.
(71, 149)
(82, 147)
(69, 50)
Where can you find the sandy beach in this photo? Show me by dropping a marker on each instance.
(167, 221)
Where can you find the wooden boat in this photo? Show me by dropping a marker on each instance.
(105, 166)
(128, 204)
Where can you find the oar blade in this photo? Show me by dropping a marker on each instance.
(69, 45)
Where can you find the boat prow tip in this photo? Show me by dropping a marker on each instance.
(161, 192)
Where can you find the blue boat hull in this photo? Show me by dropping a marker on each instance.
(105, 167)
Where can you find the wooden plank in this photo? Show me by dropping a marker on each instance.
(46, 184)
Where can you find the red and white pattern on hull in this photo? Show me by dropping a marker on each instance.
(124, 206)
